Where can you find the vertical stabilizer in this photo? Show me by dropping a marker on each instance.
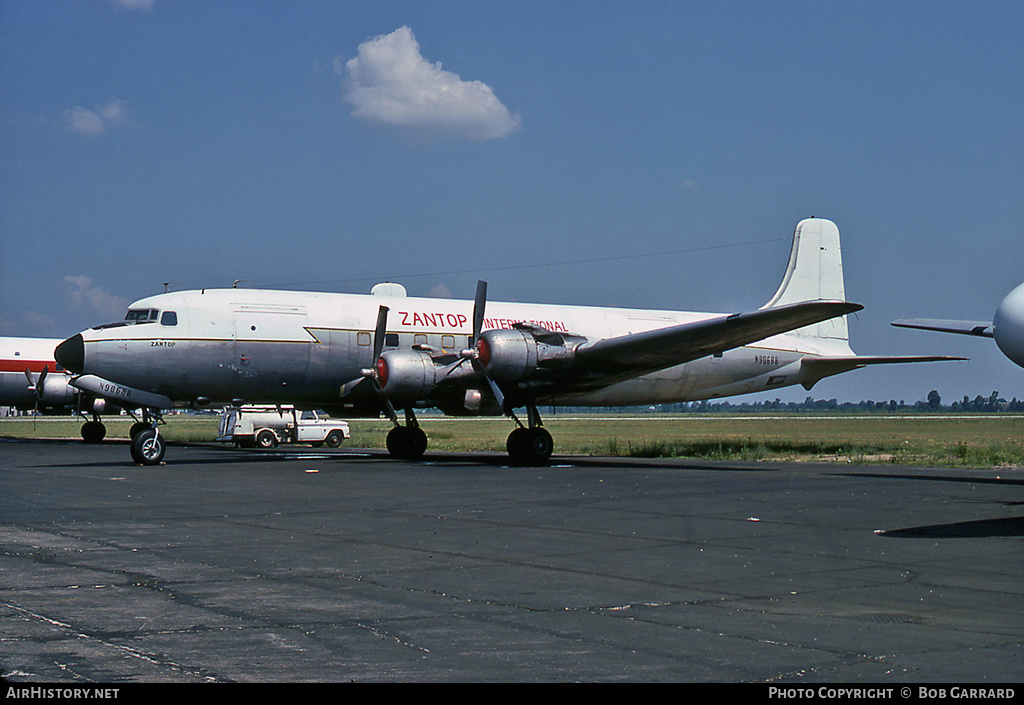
(815, 272)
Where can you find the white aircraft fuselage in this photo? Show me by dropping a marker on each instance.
(357, 354)
(303, 347)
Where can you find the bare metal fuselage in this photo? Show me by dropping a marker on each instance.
(303, 348)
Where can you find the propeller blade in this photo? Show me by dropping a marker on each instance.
(347, 388)
(388, 407)
(380, 332)
(496, 390)
(36, 384)
(479, 304)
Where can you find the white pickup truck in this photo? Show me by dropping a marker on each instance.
(266, 426)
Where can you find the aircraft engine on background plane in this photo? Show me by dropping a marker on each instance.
(1009, 325)
(52, 390)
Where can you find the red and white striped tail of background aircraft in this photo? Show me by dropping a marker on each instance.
(359, 355)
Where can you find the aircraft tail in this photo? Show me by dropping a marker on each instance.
(815, 272)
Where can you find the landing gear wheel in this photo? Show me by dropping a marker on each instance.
(137, 428)
(93, 431)
(530, 446)
(406, 442)
(266, 439)
(148, 448)
(516, 443)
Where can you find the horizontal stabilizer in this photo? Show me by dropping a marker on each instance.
(666, 347)
(978, 328)
(817, 368)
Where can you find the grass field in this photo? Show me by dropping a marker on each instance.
(983, 441)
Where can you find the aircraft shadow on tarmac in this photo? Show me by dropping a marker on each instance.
(981, 528)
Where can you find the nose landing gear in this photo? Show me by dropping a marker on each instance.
(147, 445)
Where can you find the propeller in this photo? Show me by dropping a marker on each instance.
(36, 384)
(473, 354)
(373, 374)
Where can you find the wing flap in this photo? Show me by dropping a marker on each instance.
(658, 349)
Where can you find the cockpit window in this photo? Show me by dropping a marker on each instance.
(134, 317)
(169, 318)
(141, 315)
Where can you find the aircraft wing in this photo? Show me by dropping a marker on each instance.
(640, 353)
(979, 328)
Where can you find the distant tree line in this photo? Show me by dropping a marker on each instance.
(932, 403)
(993, 403)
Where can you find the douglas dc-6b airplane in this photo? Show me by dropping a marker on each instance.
(370, 354)
(1007, 326)
(30, 380)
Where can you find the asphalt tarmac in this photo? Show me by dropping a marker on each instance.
(300, 565)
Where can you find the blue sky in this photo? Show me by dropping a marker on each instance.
(651, 154)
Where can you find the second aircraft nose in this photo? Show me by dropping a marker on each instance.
(71, 354)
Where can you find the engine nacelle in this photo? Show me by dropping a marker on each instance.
(514, 355)
(101, 406)
(406, 374)
(56, 391)
(1009, 325)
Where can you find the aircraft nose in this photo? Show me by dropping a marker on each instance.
(71, 354)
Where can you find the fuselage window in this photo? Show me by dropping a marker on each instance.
(363, 338)
(169, 318)
(391, 340)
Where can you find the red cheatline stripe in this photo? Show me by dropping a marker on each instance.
(34, 366)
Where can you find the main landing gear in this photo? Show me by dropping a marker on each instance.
(526, 445)
(407, 442)
(93, 431)
(532, 444)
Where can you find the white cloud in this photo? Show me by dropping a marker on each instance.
(133, 4)
(80, 293)
(390, 83)
(95, 122)
(440, 291)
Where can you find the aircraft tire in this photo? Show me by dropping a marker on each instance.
(530, 446)
(516, 442)
(137, 428)
(406, 442)
(148, 447)
(93, 431)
